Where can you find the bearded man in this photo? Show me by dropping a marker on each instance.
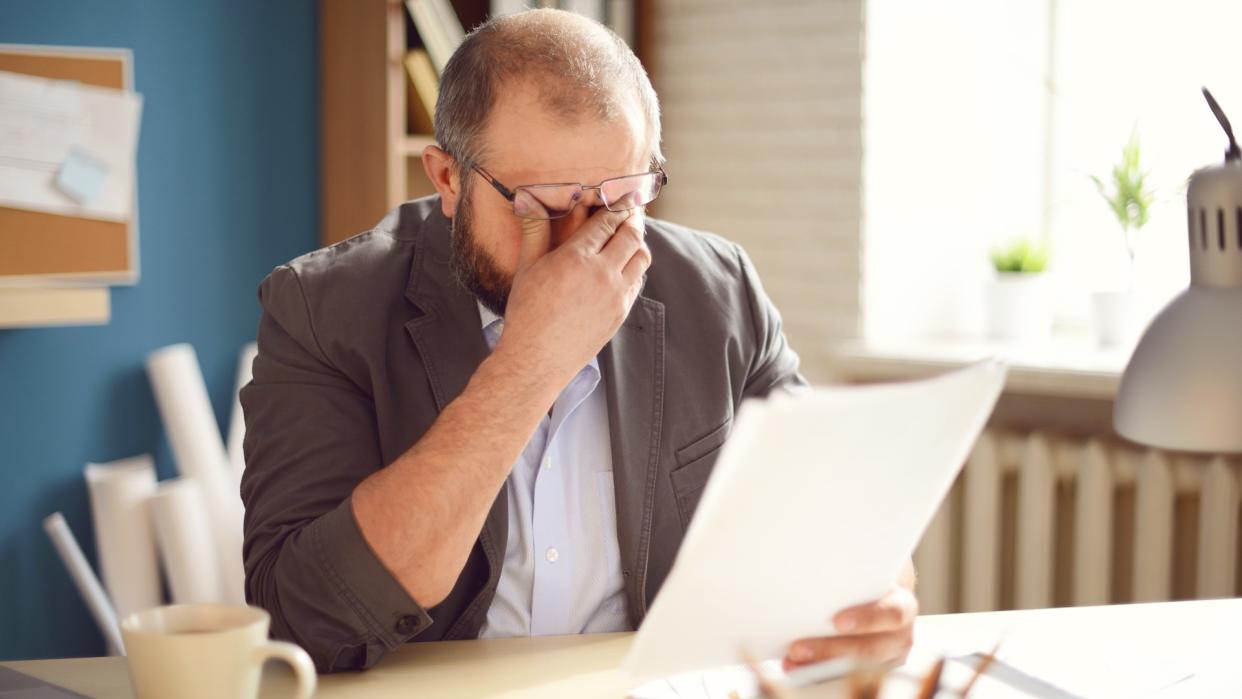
(493, 414)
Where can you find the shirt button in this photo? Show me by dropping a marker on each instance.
(407, 624)
(547, 462)
(552, 554)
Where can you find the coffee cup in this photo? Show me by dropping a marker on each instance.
(207, 651)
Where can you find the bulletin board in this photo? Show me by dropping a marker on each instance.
(38, 247)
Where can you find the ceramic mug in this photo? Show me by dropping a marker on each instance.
(202, 651)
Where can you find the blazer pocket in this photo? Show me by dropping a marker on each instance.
(694, 466)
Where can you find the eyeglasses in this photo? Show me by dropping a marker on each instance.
(553, 201)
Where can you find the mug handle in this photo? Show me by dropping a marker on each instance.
(297, 658)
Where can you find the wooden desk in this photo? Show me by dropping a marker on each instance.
(1204, 636)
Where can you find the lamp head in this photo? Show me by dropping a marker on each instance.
(1182, 388)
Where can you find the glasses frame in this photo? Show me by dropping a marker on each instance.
(511, 194)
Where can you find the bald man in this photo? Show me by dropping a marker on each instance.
(493, 414)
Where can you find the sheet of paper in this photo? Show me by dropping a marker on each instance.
(1145, 650)
(816, 503)
(44, 123)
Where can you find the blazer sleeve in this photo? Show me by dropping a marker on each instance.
(310, 438)
(774, 365)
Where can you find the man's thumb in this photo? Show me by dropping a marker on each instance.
(536, 238)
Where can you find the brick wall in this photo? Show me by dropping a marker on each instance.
(763, 133)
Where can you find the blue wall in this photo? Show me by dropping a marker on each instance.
(228, 183)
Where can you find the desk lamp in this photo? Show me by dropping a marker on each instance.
(1182, 389)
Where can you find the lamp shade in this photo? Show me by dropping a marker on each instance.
(1182, 388)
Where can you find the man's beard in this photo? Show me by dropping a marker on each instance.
(473, 267)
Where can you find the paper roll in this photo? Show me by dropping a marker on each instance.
(183, 533)
(237, 424)
(199, 450)
(92, 592)
(123, 537)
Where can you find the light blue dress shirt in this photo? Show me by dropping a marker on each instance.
(562, 567)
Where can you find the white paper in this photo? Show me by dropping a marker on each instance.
(42, 121)
(1132, 650)
(183, 531)
(237, 423)
(84, 579)
(199, 450)
(816, 504)
(124, 540)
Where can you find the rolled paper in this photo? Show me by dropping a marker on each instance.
(199, 450)
(124, 539)
(84, 579)
(183, 532)
(237, 424)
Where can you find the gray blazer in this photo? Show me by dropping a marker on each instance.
(363, 343)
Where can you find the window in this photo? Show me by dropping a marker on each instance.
(983, 121)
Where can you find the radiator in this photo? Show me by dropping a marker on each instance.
(1038, 519)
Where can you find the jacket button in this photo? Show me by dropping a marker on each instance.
(407, 624)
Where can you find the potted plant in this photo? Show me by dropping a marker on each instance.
(1018, 305)
(1130, 200)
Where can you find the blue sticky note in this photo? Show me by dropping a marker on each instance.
(81, 176)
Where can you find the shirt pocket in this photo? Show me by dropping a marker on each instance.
(694, 466)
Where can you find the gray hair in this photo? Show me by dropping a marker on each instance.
(578, 65)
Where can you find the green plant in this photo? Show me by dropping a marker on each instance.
(1021, 256)
(1130, 199)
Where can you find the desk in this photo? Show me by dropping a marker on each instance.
(1204, 636)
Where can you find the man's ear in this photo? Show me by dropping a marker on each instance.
(442, 170)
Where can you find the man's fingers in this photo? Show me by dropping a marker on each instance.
(536, 239)
(891, 645)
(895, 610)
(625, 241)
(634, 270)
(596, 231)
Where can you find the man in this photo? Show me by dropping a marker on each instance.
(493, 414)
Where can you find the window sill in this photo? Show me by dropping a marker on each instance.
(1064, 367)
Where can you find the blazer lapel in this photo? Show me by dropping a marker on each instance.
(632, 364)
(450, 343)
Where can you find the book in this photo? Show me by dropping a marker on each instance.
(422, 86)
(439, 27)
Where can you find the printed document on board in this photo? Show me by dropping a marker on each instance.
(816, 504)
(67, 148)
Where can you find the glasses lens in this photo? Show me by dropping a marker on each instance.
(632, 191)
(546, 201)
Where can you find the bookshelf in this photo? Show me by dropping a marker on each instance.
(369, 162)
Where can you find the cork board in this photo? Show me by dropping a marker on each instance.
(38, 245)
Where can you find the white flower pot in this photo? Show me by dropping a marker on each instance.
(1115, 318)
(1018, 307)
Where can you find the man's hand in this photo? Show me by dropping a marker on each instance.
(566, 304)
(882, 630)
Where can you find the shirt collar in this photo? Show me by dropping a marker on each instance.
(486, 317)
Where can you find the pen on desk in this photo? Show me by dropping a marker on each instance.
(931, 683)
(768, 688)
(867, 680)
(982, 668)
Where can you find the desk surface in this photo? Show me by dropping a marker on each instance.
(1149, 645)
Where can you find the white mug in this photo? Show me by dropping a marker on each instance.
(206, 651)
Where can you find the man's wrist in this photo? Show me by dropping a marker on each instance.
(523, 378)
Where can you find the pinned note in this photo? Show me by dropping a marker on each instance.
(82, 176)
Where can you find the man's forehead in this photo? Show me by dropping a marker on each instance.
(531, 140)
